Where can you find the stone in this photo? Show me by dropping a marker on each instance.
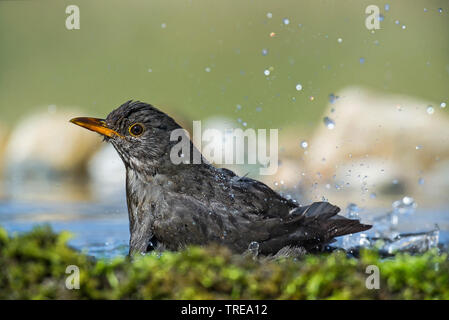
(46, 144)
(379, 141)
(381, 144)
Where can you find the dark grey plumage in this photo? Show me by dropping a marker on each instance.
(184, 204)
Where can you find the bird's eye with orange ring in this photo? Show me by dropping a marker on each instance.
(136, 130)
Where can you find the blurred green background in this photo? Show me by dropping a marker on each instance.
(206, 58)
(201, 58)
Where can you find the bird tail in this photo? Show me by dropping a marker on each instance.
(311, 227)
(324, 222)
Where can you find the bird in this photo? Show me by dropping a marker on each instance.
(179, 205)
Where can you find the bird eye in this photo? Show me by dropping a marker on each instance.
(136, 130)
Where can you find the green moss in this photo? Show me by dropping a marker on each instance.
(34, 264)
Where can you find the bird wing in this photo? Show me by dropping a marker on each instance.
(236, 211)
(282, 222)
(310, 227)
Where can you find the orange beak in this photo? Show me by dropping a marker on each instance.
(96, 125)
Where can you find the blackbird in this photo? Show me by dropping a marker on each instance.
(196, 204)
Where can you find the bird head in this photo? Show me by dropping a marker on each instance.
(139, 132)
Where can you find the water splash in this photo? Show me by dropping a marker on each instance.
(352, 211)
(253, 248)
(406, 206)
(385, 236)
(413, 242)
(353, 240)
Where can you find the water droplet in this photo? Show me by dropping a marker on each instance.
(418, 147)
(286, 21)
(253, 247)
(304, 144)
(408, 201)
(352, 211)
(266, 72)
(163, 25)
(311, 98)
(333, 98)
(397, 22)
(443, 105)
(403, 26)
(330, 124)
(387, 7)
(264, 52)
(362, 60)
(207, 69)
(425, 9)
(440, 10)
(150, 70)
(298, 87)
(339, 40)
(239, 107)
(269, 15)
(430, 110)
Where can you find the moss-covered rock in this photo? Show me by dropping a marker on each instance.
(33, 266)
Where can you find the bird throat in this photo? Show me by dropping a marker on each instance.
(141, 196)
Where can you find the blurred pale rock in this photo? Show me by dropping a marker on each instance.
(380, 144)
(107, 173)
(46, 143)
